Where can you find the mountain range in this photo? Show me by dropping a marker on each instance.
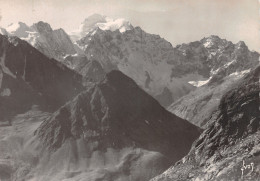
(165, 72)
(110, 101)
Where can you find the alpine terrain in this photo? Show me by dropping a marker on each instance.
(111, 131)
(229, 148)
(230, 63)
(27, 78)
(112, 102)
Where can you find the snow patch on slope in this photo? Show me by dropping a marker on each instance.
(208, 44)
(240, 74)
(199, 83)
(229, 63)
(32, 37)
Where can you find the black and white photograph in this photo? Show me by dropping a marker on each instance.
(129, 90)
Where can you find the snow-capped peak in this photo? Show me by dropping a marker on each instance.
(210, 41)
(119, 24)
(102, 22)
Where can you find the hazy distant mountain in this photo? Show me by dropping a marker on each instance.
(233, 136)
(53, 43)
(28, 77)
(116, 131)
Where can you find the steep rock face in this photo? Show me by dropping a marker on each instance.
(198, 105)
(139, 55)
(53, 43)
(28, 77)
(113, 116)
(231, 138)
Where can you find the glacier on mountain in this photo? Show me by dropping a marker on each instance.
(95, 21)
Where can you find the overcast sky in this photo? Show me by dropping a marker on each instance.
(178, 21)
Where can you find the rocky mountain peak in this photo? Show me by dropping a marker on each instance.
(241, 46)
(120, 114)
(132, 51)
(96, 21)
(42, 27)
(53, 43)
(115, 116)
(213, 42)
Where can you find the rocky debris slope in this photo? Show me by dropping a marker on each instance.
(231, 141)
(16, 158)
(116, 131)
(28, 77)
(52, 43)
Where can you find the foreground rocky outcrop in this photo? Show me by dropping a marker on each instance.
(112, 131)
(27, 77)
(231, 141)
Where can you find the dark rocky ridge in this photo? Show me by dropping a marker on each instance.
(117, 106)
(33, 78)
(232, 136)
(117, 114)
